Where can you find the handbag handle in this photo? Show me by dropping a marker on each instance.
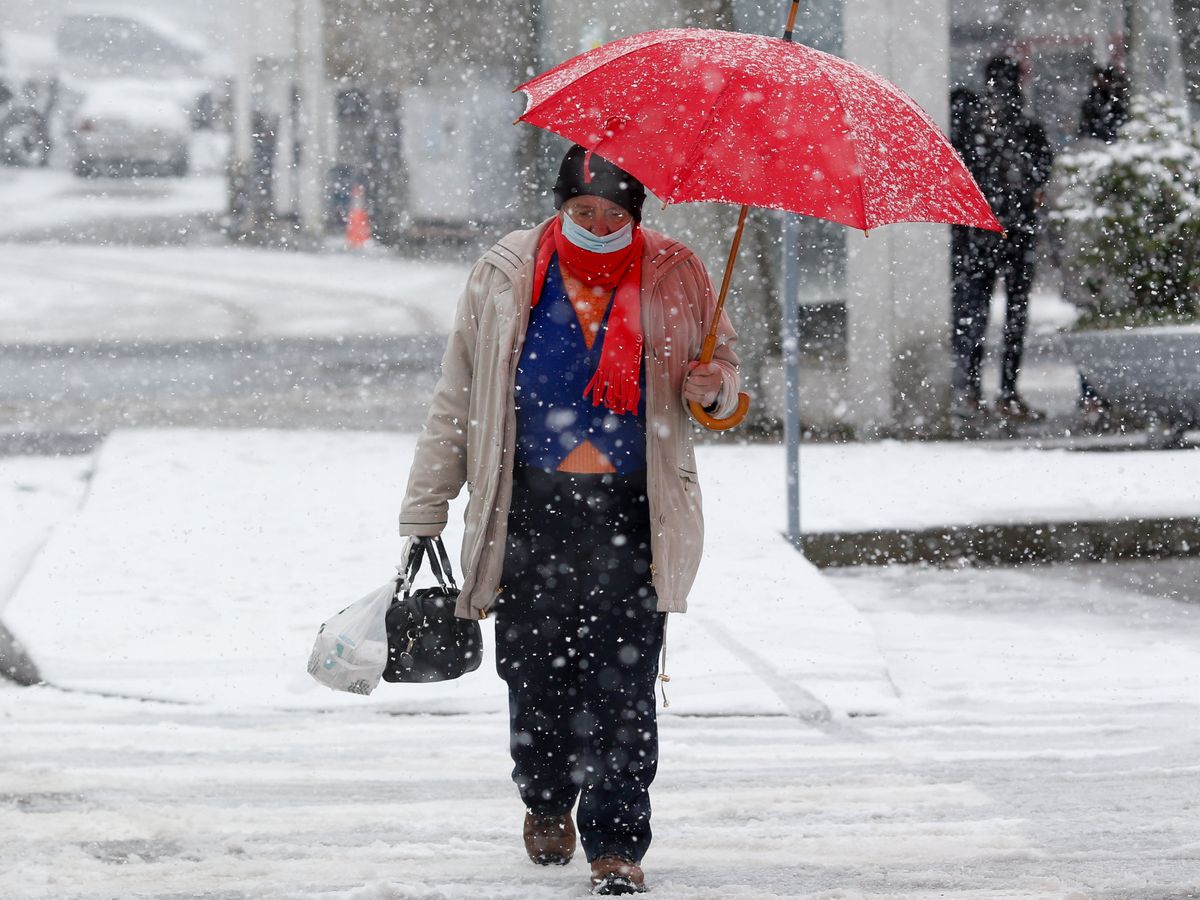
(445, 559)
(439, 564)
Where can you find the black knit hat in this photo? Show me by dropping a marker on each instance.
(607, 180)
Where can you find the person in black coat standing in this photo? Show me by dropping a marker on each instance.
(1011, 159)
(1103, 113)
(970, 321)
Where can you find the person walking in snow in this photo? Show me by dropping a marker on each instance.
(562, 407)
(1012, 164)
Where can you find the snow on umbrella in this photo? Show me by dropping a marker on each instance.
(697, 114)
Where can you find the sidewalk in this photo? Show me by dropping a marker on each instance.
(995, 502)
(1060, 490)
(202, 562)
(197, 565)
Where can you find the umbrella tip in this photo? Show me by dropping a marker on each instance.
(866, 233)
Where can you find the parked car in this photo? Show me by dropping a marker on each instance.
(129, 128)
(135, 86)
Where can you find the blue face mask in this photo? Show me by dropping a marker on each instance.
(585, 240)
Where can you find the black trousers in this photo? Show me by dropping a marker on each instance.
(577, 641)
(979, 258)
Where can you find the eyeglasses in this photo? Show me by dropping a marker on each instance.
(589, 215)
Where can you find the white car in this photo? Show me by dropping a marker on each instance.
(125, 127)
(135, 86)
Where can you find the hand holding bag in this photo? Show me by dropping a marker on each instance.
(426, 641)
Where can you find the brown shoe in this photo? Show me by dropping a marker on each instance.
(549, 840)
(613, 875)
(1015, 409)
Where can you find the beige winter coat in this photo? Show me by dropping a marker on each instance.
(470, 434)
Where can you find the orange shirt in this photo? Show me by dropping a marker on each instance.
(589, 305)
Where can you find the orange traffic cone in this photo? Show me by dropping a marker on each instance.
(358, 225)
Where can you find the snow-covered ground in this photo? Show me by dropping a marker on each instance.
(203, 561)
(891, 484)
(70, 293)
(145, 294)
(33, 200)
(36, 493)
(992, 734)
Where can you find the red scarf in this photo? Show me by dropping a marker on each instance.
(615, 383)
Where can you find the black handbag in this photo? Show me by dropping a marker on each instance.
(426, 641)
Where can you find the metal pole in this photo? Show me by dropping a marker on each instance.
(241, 162)
(791, 373)
(791, 350)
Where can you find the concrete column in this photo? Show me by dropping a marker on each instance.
(315, 116)
(1155, 63)
(898, 279)
(242, 145)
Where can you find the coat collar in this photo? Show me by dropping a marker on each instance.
(513, 255)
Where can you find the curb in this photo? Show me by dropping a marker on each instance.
(1098, 541)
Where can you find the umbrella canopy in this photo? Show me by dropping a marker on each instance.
(739, 118)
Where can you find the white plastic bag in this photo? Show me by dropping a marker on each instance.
(351, 648)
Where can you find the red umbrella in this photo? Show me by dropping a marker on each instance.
(696, 114)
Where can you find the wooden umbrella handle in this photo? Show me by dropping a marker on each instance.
(710, 344)
(714, 424)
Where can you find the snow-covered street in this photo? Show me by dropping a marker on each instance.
(992, 783)
(54, 205)
(166, 294)
(217, 335)
(111, 798)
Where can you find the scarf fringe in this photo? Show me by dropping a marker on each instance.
(614, 386)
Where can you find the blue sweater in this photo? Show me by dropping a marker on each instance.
(553, 416)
